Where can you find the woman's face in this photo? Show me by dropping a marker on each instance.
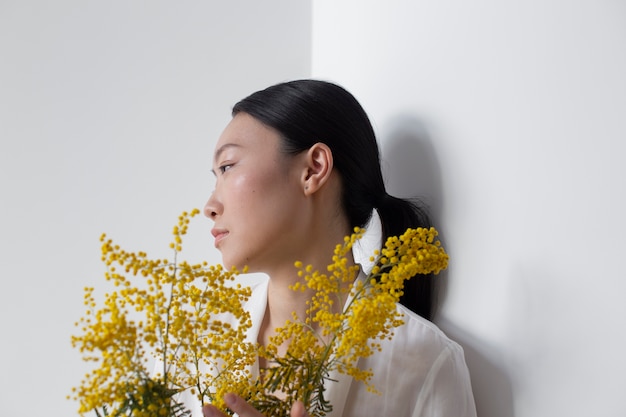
(258, 197)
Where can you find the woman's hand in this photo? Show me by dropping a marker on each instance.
(243, 409)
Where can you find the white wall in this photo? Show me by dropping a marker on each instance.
(109, 111)
(506, 117)
(513, 113)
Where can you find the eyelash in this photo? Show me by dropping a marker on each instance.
(225, 167)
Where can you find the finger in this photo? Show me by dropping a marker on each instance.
(240, 406)
(298, 410)
(209, 410)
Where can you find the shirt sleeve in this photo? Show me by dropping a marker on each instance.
(447, 390)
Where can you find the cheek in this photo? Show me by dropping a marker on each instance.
(258, 185)
(243, 195)
(238, 189)
(262, 193)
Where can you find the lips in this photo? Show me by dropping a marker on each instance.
(219, 235)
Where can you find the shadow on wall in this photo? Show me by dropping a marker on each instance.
(411, 169)
(410, 166)
(493, 391)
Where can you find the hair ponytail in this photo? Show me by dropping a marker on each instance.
(305, 112)
(396, 215)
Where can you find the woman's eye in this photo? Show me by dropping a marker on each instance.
(225, 167)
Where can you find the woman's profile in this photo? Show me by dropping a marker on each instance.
(297, 168)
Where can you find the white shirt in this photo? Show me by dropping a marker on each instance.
(420, 372)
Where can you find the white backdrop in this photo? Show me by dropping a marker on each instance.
(109, 111)
(506, 117)
(509, 118)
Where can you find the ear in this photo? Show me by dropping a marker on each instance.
(319, 165)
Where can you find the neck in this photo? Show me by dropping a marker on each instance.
(282, 301)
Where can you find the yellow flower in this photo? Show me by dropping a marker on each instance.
(174, 312)
(165, 310)
(344, 336)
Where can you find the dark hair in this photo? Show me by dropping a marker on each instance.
(305, 112)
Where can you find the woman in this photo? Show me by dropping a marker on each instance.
(297, 169)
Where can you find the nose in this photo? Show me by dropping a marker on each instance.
(213, 207)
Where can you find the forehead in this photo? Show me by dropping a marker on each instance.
(246, 132)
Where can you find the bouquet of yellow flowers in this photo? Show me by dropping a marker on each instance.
(180, 315)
